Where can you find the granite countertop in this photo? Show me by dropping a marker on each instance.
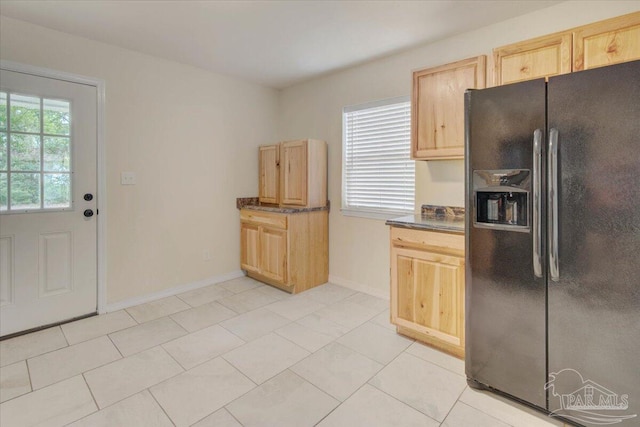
(253, 204)
(438, 218)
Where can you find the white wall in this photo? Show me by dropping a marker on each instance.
(359, 253)
(188, 134)
(191, 138)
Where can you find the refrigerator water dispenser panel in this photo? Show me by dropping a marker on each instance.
(501, 199)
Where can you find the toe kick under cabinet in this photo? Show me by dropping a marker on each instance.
(286, 250)
(427, 287)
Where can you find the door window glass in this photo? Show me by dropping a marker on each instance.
(35, 153)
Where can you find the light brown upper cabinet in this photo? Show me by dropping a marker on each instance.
(269, 180)
(540, 57)
(294, 173)
(437, 108)
(594, 45)
(607, 42)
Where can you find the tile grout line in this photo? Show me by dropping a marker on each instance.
(178, 296)
(131, 315)
(234, 334)
(384, 365)
(320, 390)
(26, 361)
(231, 413)
(292, 342)
(83, 372)
(92, 396)
(172, 358)
(148, 389)
(155, 345)
(311, 329)
(395, 398)
(41, 354)
(30, 383)
(189, 307)
(64, 335)
(489, 415)
(406, 404)
(432, 363)
(455, 403)
(114, 344)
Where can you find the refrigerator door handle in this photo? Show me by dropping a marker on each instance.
(554, 268)
(537, 213)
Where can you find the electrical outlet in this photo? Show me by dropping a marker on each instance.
(127, 178)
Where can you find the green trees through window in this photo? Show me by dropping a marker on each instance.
(35, 153)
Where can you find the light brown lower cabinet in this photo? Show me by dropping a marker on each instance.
(427, 287)
(286, 250)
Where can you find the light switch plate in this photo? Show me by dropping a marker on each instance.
(127, 178)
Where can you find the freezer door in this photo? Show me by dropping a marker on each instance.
(505, 301)
(594, 294)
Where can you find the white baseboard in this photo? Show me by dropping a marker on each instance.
(170, 292)
(359, 287)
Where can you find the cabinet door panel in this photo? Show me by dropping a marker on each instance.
(405, 300)
(269, 179)
(607, 42)
(423, 310)
(249, 247)
(293, 158)
(447, 298)
(437, 308)
(438, 107)
(427, 294)
(531, 59)
(273, 254)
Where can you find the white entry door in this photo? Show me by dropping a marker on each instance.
(48, 182)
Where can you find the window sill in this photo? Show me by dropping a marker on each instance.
(373, 214)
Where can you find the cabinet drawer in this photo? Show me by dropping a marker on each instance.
(433, 241)
(265, 218)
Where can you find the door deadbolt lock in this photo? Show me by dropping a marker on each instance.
(88, 213)
(88, 197)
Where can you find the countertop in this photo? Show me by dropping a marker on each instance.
(432, 217)
(421, 222)
(253, 204)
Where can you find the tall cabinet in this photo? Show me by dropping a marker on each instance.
(285, 238)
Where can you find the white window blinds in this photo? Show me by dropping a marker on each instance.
(378, 173)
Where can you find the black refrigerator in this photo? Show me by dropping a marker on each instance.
(553, 243)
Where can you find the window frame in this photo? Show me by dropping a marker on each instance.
(41, 171)
(371, 213)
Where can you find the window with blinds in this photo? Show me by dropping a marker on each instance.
(378, 175)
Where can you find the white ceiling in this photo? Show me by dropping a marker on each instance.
(274, 43)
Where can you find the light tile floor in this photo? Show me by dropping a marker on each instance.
(241, 353)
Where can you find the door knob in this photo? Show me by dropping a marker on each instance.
(88, 213)
(88, 197)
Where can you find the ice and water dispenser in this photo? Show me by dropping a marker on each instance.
(501, 199)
